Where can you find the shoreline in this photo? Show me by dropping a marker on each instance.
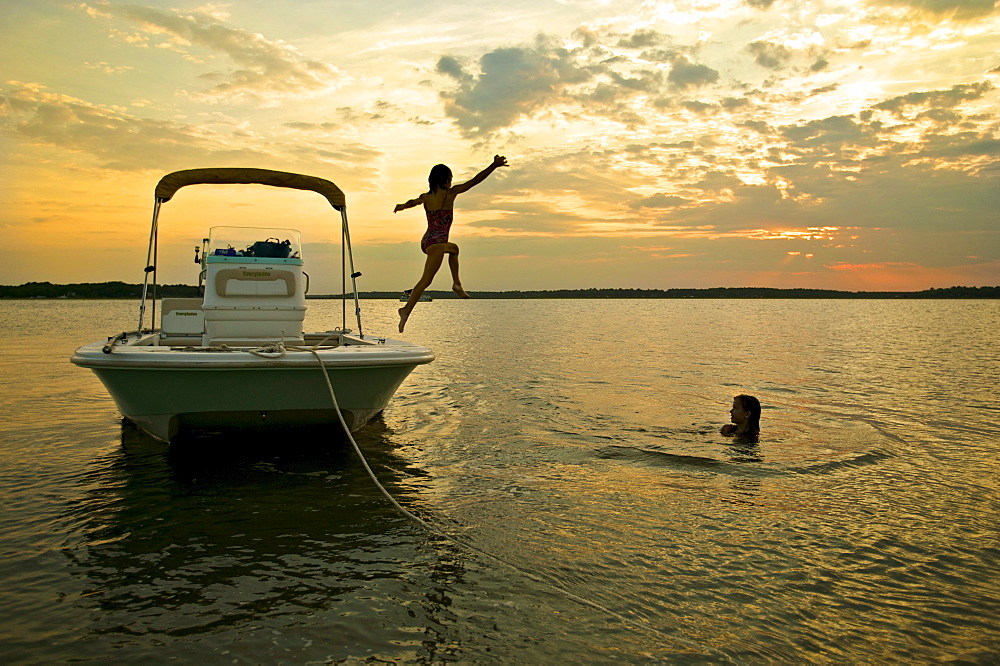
(121, 290)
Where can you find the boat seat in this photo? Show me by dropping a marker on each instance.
(239, 282)
(181, 316)
(253, 304)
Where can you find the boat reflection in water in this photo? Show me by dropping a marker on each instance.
(229, 539)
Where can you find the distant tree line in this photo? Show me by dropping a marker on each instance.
(715, 292)
(122, 290)
(93, 290)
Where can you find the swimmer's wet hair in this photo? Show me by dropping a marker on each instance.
(751, 405)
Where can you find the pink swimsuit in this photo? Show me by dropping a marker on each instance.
(438, 226)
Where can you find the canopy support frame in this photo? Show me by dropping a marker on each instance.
(170, 183)
(346, 244)
(151, 258)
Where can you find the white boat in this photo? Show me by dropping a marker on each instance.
(405, 296)
(238, 357)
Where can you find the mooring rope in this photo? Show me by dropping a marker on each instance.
(278, 350)
(431, 528)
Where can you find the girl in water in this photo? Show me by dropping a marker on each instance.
(745, 417)
(439, 206)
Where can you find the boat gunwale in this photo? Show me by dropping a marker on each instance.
(166, 358)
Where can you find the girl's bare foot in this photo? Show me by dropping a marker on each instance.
(457, 288)
(403, 315)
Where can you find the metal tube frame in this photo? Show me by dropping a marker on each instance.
(346, 233)
(150, 261)
(346, 257)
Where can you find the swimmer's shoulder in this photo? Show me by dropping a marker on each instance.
(438, 200)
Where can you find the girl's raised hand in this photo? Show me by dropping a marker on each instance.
(499, 161)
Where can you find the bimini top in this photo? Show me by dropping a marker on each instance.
(172, 182)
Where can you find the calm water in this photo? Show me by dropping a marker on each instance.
(574, 440)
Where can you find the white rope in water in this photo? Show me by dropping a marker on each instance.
(431, 528)
(278, 350)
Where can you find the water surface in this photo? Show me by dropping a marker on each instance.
(570, 449)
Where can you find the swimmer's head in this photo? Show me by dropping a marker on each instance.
(440, 178)
(750, 407)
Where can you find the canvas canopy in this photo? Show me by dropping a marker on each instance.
(172, 182)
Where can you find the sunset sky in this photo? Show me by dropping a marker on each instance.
(848, 144)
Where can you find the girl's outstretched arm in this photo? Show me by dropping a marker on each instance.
(498, 161)
(409, 204)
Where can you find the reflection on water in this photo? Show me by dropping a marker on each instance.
(223, 534)
(577, 441)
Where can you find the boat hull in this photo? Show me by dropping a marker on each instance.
(168, 392)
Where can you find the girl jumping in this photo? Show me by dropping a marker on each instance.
(439, 206)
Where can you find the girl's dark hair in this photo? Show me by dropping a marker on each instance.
(440, 175)
(751, 405)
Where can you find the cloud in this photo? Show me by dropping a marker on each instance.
(716, 181)
(686, 74)
(116, 139)
(512, 83)
(348, 117)
(819, 65)
(451, 67)
(662, 55)
(642, 38)
(696, 106)
(828, 132)
(960, 9)
(515, 83)
(937, 99)
(267, 70)
(807, 174)
(964, 144)
(843, 266)
(124, 142)
(659, 200)
(841, 160)
(107, 68)
(768, 54)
